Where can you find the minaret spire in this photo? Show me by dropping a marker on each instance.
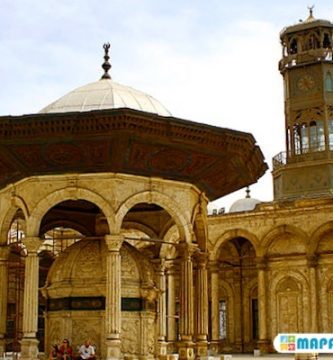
(310, 17)
(106, 65)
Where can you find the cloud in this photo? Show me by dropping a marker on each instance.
(208, 62)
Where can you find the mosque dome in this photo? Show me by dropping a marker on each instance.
(70, 276)
(245, 204)
(106, 94)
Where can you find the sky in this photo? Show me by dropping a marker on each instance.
(209, 61)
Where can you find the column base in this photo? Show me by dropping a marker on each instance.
(161, 349)
(172, 347)
(214, 347)
(202, 348)
(113, 350)
(186, 350)
(263, 346)
(29, 349)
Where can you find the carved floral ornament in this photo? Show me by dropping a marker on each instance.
(114, 242)
(150, 293)
(32, 244)
(308, 114)
(202, 259)
(187, 250)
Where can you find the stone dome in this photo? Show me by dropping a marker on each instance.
(245, 204)
(70, 276)
(106, 94)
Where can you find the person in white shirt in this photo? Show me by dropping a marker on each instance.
(87, 351)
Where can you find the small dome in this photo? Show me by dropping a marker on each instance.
(246, 204)
(70, 276)
(106, 94)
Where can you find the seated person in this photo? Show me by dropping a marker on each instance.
(65, 351)
(87, 351)
(54, 352)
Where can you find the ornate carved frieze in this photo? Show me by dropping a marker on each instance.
(128, 141)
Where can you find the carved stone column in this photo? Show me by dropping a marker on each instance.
(214, 320)
(29, 342)
(262, 303)
(161, 344)
(171, 319)
(239, 315)
(113, 296)
(4, 254)
(312, 262)
(202, 304)
(186, 326)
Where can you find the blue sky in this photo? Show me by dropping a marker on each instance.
(209, 61)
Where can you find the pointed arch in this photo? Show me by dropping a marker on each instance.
(298, 296)
(325, 298)
(275, 233)
(232, 234)
(317, 235)
(329, 82)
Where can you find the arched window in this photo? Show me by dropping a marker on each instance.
(312, 42)
(317, 138)
(330, 133)
(222, 319)
(327, 41)
(329, 82)
(304, 139)
(309, 137)
(297, 139)
(293, 46)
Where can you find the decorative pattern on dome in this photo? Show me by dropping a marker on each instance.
(70, 276)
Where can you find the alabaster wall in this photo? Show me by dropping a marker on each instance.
(72, 277)
(293, 244)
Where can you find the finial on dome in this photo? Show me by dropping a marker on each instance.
(247, 192)
(310, 17)
(106, 65)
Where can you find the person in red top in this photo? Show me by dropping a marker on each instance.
(65, 351)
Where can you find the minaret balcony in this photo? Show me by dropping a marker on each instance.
(306, 57)
(283, 158)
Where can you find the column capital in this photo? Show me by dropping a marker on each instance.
(170, 268)
(202, 259)
(114, 242)
(4, 252)
(261, 262)
(32, 244)
(312, 260)
(161, 266)
(213, 266)
(186, 250)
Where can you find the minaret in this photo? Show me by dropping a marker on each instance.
(305, 169)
